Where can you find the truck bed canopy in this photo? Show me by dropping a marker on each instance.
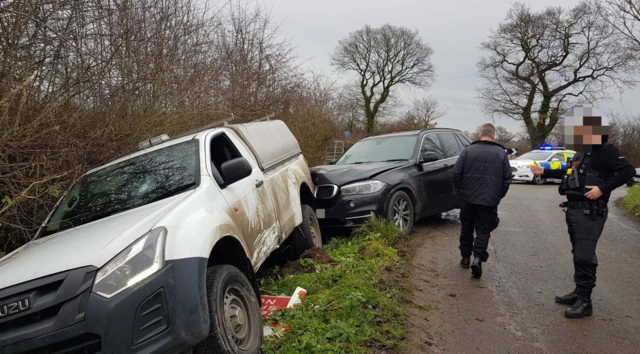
(271, 142)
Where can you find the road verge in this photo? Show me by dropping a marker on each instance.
(631, 201)
(355, 295)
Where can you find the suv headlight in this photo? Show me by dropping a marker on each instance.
(366, 187)
(136, 263)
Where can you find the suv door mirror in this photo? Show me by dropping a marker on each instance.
(429, 156)
(235, 170)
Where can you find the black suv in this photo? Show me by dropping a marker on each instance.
(402, 177)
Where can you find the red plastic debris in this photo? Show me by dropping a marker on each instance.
(479, 319)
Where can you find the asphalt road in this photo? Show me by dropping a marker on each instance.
(512, 309)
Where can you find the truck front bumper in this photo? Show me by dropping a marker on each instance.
(166, 313)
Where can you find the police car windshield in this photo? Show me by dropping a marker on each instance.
(388, 148)
(535, 156)
(127, 185)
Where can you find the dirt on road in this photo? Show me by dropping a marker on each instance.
(511, 308)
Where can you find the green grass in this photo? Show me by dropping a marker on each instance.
(349, 308)
(631, 201)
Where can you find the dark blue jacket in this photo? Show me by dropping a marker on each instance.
(483, 173)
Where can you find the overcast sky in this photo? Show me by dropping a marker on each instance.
(454, 29)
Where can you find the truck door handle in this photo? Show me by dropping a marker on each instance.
(259, 183)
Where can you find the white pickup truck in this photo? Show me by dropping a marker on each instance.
(156, 252)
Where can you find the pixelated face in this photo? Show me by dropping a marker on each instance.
(583, 130)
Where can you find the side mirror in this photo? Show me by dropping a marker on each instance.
(235, 170)
(429, 156)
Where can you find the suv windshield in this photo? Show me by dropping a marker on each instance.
(535, 156)
(388, 148)
(127, 185)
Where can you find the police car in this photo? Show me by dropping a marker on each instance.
(548, 157)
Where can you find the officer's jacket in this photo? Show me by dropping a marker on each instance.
(613, 169)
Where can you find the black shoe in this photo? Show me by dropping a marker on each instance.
(568, 299)
(581, 308)
(465, 262)
(476, 268)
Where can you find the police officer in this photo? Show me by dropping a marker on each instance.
(588, 184)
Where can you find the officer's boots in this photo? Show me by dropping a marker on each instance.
(568, 299)
(465, 263)
(581, 308)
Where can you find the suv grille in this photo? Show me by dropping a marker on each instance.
(326, 191)
(54, 303)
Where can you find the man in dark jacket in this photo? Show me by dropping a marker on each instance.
(482, 175)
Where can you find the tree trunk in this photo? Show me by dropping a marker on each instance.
(537, 142)
(371, 122)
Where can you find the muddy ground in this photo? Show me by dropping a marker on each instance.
(511, 309)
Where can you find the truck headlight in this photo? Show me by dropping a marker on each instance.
(366, 187)
(136, 263)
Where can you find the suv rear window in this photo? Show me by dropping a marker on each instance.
(127, 185)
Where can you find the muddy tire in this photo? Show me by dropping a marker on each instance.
(234, 313)
(401, 212)
(539, 180)
(307, 235)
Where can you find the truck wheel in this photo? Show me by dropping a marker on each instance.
(539, 180)
(400, 211)
(234, 313)
(308, 234)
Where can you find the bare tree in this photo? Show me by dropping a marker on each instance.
(383, 58)
(503, 135)
(624, 15)
(538, 64)
(425, 112)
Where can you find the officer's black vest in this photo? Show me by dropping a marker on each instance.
(574, 185)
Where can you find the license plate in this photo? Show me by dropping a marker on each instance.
(321, 213)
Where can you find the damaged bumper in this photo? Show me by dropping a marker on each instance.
(350, 210)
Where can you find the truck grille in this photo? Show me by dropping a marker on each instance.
(54, 303)
(327, 191)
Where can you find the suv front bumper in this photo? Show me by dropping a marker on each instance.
(166, 313)
(348, 211)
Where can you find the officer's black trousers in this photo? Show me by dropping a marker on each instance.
(483, 219)
(584, 233)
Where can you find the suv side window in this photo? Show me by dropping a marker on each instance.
(450, 145)
(222, 150)
(430, 142)
(462, 141)
(570, 156)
